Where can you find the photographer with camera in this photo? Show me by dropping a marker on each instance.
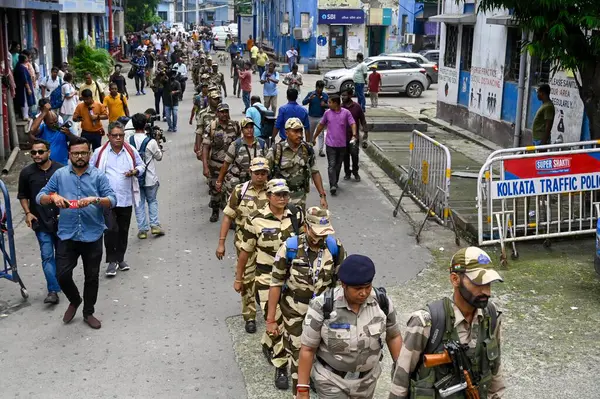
(47, 127)
(181, 69)
(150, 151)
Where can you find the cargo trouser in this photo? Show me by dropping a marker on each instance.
(293, 312)
(274, 344)
(248, 281)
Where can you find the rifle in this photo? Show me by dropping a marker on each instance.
(460, 379)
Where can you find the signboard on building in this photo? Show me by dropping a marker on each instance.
(341, 17)
(544, 174)
(83, 6)
(323, 4)
(485, 95)
(568, 106)
(380, 17)
(447, 85)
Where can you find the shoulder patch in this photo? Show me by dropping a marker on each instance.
(420, 318)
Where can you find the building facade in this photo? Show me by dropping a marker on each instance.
(479, 69)
(207, 12)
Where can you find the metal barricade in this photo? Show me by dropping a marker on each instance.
(428, 182)
(539, 195)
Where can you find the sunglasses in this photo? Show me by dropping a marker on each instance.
(38, 152)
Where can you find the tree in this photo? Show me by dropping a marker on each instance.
(566, 32)
(97, 61)
(142, 13)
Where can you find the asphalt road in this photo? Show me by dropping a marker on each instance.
(164, 332)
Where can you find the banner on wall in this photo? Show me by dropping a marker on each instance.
(569, 110)
(339, 3)
(485, 95)
(448, 85)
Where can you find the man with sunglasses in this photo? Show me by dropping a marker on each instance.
(47, 127)
(122, 165)
(80, 192)
(42, 220)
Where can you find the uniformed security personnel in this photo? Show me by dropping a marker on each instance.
(264, 232)
(235, 169)
(345, 333)
(217, 139)
(474, 321)
(196, 71)
(218, 79)
(208, 66)
(245, 199)
(294, 161)
(204, 119)
(200, 102)
(304, 268)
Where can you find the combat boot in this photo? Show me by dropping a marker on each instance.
(281, 378)
(215, 215)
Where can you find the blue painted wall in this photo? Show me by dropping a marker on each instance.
(464, 88)
(408, 8)
(509, 102)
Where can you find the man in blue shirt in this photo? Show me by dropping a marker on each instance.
(317, 105)
(291, 110)
(46, 127)
(80, 191)
(270, 80)
(253, 113)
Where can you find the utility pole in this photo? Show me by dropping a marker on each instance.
(438, 25)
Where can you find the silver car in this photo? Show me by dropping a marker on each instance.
(401, 75)
(431, 67)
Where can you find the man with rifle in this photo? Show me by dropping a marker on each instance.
(463, 335)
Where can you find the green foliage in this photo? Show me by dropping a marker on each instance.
(142, 13)
(88, 59)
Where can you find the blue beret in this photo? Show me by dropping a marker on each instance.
(357, 270)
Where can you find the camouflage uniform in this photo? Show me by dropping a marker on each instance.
(296, 167)
(218, 137)
(308, 275)
(196, 71)
(217, 79)
(239, 206)
(239, 155)
(347, 342)
(264, 233)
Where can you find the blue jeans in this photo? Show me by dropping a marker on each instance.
(147, 194)
(261, 70)
(47, 243)
(171, 117)
(359, 88)
(246, 100)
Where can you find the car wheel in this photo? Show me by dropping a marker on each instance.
(414, 89)
(346, 86)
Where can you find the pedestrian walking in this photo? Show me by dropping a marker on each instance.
(237, 65)
(466, 320)
(261, 61)
(353, 147)
(256, 112)
(207, 115)
(122, 164)
(93, 86)
(342, 339)
(374, 85)
(43, 220)
(90, 113)
(150, 153)
(269, 79)
(182, 75)
(253, 58)
(305, 266)
(317, 102)
(337, 120)
(171, 91)
(245, 79)
(544, 117)
(80, 192)
(218, 79)
(157, 86)
(294, 161)
(292, 57)
(265, 231)
(139, 63)
(359, 78)
(291, 110)
(118, 79)
(246, 198)
(24, 90)
(115, 103)
(200, 102)
(70, 98)
(293, 79)
(50, 83)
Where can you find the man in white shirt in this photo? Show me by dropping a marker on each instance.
(182, 73)
(50, 82)
(150, 153)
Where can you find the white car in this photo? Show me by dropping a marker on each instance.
(220, 34)
(399, 75)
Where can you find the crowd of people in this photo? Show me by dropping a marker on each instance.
(325, 322)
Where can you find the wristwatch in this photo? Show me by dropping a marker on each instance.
(97, 201)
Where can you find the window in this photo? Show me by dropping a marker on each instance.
(540, 71)
(382, 65)
(163, 15)
(210, 16)
(305, 20)
(513, 55)
(451, 46)
(466, 51)
(404, 25)
(399, 65)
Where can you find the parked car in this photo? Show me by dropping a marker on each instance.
(233, 28)
(430, 67)
(431, 55)
(402, 75)
(220, 34)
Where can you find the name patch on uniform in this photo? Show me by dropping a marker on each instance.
(339, 326)
(267, 230)
(249, 197)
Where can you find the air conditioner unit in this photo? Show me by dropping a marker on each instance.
(409, 38)
(284, 28)
(302, 33)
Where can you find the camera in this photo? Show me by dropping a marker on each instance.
(67, 124)
(155, 132)
(152, 119)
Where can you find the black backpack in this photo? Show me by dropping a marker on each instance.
(267, 122)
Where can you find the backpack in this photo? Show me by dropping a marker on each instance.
(267, 122)
(56, 97)
(142, 151)
(380, 295)
(278, 155)
(292, 248)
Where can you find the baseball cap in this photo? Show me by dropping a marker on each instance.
(246, 121)
(476, 264)
(294, 123)
(277, 186)
(259, 163)
(223, 107)
(319, 221)
(357, 270)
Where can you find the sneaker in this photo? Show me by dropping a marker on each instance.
(52, 298)
(333, 191)
(137, 94)
(142, 235)
(281, 378)
(164, 118)
(111, 269)
(347, 177)
(250, 326)
(364, 144)
(157, 231)
(356, 176)
(321, 154)
(143, 93)
(174, 130)
(123, 266)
